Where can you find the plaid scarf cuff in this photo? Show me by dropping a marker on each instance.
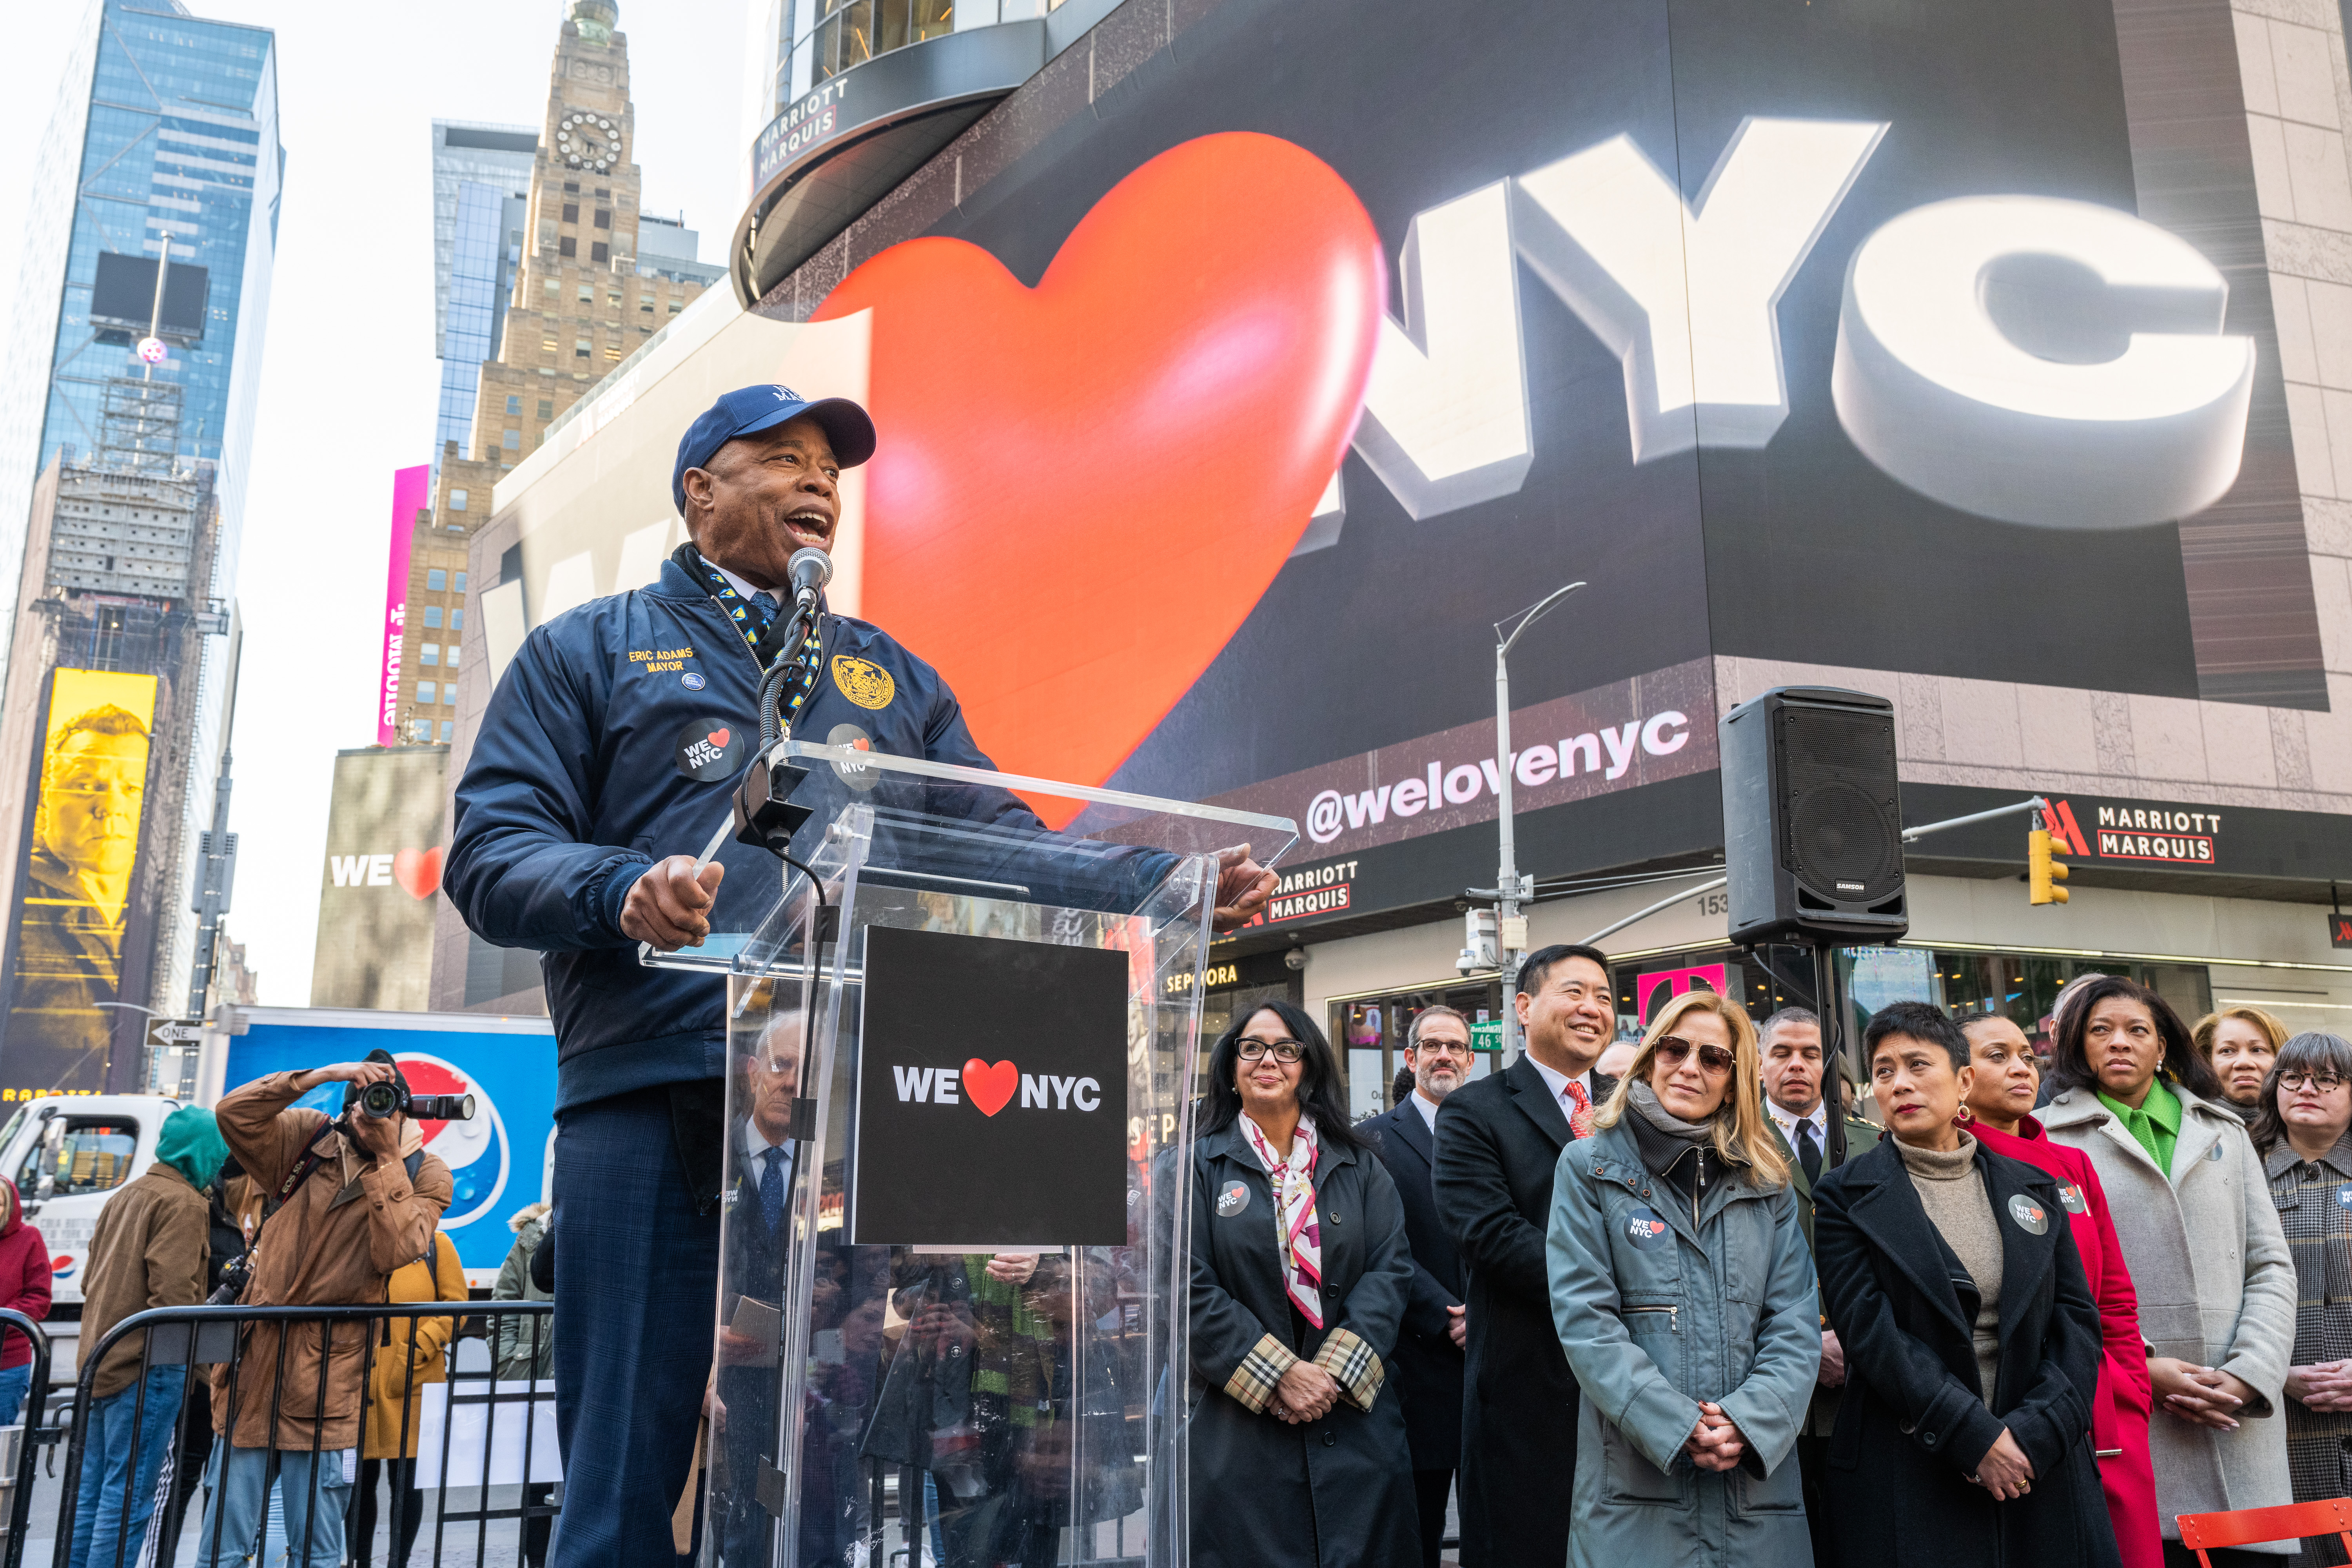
(1354, 1365)
(1252, 1381)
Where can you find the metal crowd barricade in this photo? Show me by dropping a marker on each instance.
(210, 1344)
(29, 1441)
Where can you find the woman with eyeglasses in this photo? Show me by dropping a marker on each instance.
(1972, 1343)
(2301, 1124)
(2191, 1205)
(1299, 1276)
(1683, 1298)
(1998, 1112)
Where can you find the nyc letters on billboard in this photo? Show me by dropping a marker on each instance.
(991, 1094)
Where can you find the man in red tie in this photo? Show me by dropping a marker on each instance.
(1499, 1141)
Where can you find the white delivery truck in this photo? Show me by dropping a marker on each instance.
(67, 1154)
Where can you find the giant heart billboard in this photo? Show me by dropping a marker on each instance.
(1090, 483)
(1827, 337)
(1226, 400)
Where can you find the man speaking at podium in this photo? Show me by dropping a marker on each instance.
(603, 763)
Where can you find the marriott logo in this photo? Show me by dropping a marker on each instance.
(2145, 834)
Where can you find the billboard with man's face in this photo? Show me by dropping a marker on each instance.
(65, 944)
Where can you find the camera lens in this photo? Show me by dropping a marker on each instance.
(381, 1099)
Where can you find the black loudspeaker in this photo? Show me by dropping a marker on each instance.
(1812, 822)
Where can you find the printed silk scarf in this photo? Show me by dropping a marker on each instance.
(1293, 1181)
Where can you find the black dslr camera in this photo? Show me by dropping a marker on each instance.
(393, 1099)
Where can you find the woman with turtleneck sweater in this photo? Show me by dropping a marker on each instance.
(1972, 1343)
(1684, 1300)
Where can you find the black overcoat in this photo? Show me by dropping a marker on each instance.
(1426, 1371)
(1334, 1493)
(1913, 1425)
(1498, 1141)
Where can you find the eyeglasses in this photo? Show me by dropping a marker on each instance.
(1448, 1047)
(1285, 1051)
(2325, 1082)
(1672, 1049)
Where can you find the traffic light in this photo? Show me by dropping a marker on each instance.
(2044, 871)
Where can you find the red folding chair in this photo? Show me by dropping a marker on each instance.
(2246, 1526)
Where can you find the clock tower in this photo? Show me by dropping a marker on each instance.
(582, 303)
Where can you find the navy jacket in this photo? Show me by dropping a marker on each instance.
(580, 778)
(1427, 1367)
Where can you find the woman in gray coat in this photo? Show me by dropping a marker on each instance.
(1683, 1293)
(2192, 1209)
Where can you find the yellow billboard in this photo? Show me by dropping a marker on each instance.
(66, 946)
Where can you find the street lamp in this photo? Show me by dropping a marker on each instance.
(1510, 889)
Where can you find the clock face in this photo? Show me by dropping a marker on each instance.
(585, 141)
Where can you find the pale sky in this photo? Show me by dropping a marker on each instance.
(348, 380)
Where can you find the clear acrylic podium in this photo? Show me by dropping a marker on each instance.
(948, 1327)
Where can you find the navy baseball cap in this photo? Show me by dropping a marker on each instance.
(750, 409)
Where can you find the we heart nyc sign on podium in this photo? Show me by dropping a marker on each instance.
(991, 1094)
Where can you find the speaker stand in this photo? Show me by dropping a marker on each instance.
(1828, 1004)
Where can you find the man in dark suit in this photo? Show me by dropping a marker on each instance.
(1499, 1140)
(1789, 1043)
(1426, 1368)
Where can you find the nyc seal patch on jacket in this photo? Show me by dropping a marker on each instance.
(867, 685)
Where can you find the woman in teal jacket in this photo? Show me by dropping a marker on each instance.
(1684, 1297)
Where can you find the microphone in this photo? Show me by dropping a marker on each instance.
(811, 570)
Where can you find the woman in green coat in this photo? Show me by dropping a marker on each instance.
(1683, 1296)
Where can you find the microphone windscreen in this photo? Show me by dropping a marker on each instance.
(810, 568)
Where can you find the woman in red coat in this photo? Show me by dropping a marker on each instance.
(1999, 1112)
(24, 1287)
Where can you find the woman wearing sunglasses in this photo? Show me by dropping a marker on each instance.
(1299, 1279)
(1683, 1297)
(1972, 1344)
(2302, 1130)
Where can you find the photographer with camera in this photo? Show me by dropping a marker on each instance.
(348, 1203)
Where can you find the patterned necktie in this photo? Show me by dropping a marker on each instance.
(771, 1189)
(758, 618)
(1808, 1152)
(1580, 1115)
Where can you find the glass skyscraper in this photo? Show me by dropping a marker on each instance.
(164, 132)
(481, 187)
(165, 124)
